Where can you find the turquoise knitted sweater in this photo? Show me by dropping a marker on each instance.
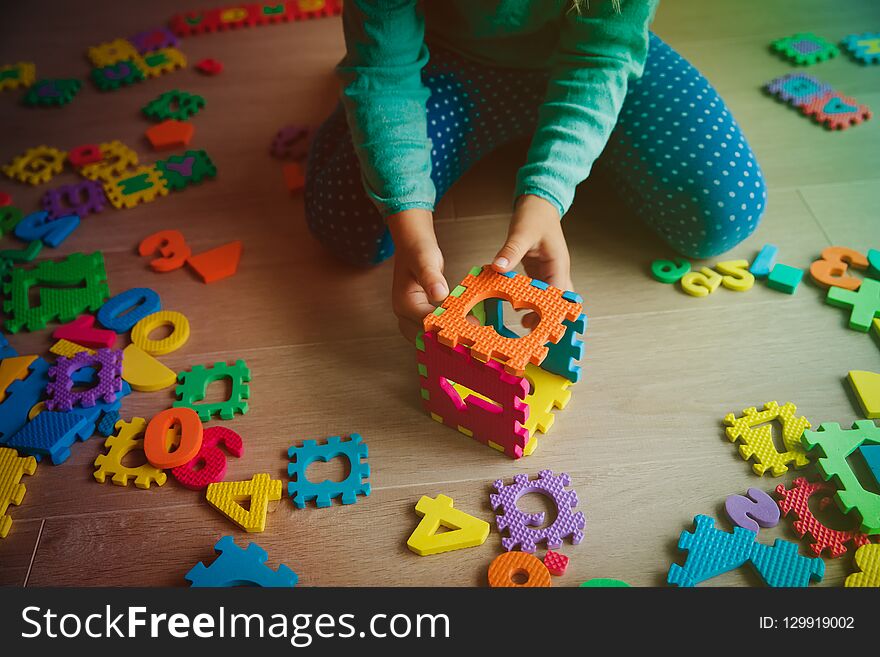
(591, 54)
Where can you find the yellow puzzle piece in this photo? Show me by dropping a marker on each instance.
(125, 441)
(140, 332)
(68, 349)
(143, 372)
(161, 61)
(549, 391)
(868, 560)
(866, 386)
(464, 530)
(12, 369)
(226, 497)
(36, 165)
(757, 437)
(15, 76)
(142, 185)
(107, 54)
(116, 158)
(12, 469)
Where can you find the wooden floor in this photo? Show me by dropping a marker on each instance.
(642, 438)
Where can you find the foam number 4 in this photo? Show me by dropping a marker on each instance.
(701, 283)
(170, 245)
(831, 268)
(737, 276)
(52, 232)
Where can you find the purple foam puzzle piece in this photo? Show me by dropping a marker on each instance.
(522, 527)
(799, 89)
(150, 40)
(62, 397)
(711, 551)
(80, 199)
(291, 141)
(752, 514)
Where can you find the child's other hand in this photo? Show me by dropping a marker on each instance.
(419, 284)
(535, 238)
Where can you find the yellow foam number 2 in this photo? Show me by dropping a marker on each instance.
(737, 276)
(701, 283)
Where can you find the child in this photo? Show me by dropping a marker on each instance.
(432, 86)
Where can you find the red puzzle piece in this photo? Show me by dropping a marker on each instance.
(837, 111)
(209, 465)
(556, 563)
(82, 332)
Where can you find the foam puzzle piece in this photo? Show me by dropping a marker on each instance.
(171, 246)
(52, 232)
(143, 185)
(150, 40)
(194, 387)
(68, 349)
(52, 92)
(797, 89)
(302, 490)
(218, 263)
(736, 275)
(784, 278)
(864, 303)
(116, 159)
(17, 76)
(834, 445)
(830, 269)
(464, 530)
(864, 48)
(836, 111)
(81, 199)
(62, 396)
(240, 567)
(162, 61)
(757, 437)
(6, 349)
(82, 331)
(36, 166)
(866, 387)
(140, 332)
(170, 134)
(143, 372)
(604, 582)
(226, 497)
(473, 415)
(209, 66)
(507, 565)
(874, 263)
(13, 368)
(556, 563)
(108, 53)
(126, 309)
(780, 565)
(805, 48)
(121, 74)
(190, 168)
(174, 104)
(209, 465)
(190, 442)
(5, 199)
(21, 395)
(710, 552)
(264, 13)
(50, 434)
(522, 527)
(12, 469)
(99, 416)
(127, 440)
(84, 154)
(9, 218)
(549, 392)
(868, 562)
(670, 271)
(765, 261)
(796, 501)
(294, 176)
(291, 142)
(63, 303)
(871, 455)
(26, 254)
(450, 323)
(701, 283)
(752, 512)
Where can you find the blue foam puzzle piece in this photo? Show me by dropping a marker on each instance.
(562, 356)
(765, 261)
(139, 301)
(6, 349)
(871, 454)
(52, 232)
(572, 296)
(541, 285)
(711, 552)
(302, 490)
(95, 415)
(21, 395)
(107, 425)
(240, 567)
(781, 565)
(50, 434)
(495, 318)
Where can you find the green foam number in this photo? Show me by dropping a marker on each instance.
(669, 271)
(601, 582)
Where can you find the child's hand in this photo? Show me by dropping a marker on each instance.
(535, 238)
(419, 284)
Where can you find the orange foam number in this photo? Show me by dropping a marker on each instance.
(527, 566)
(830, 269)
(171, 245)
(156, 445)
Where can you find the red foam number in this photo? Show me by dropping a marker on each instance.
(209, 465)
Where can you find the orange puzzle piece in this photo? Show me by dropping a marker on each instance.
(294, 176)
(170, 134)
(218, 263)
(552, 305)
(12, 369)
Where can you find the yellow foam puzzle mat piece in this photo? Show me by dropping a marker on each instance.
(867, 560)
(549, 391)
(36, 165)
(866, 386)
(68, 349)
(226, 497)
(143, 372)
(464, 529)
(140, 332)
(12, 469)
(128, 438)
(754, 430)
(13, 369)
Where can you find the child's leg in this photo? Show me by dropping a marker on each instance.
(471, 111)
(681, 161)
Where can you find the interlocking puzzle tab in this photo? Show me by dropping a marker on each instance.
(227, 496)
(805, 48)
(864, 48)
(37, 165)
(464, 530)
(21, 395)
(797, 89)
(756, 434)
(837, 111)
(302, 490)
(143, 185)
(12, 469)
(240, 567)
(194, 387)
(127, 440)
(868, 561)
(81, 199)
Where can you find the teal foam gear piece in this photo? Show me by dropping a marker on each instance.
(711, 552)
(873, 263)
(194, 386)
(864, 303)
(122, 73)
(51, 92)
(160, 108)
(780, 565)
(784, 278)
(237, 566)
(190, 168)
(50, 434)
(63, 304)
(21, 395)
(302, 490)
(871, 454)
(835, 445)
(765, 261)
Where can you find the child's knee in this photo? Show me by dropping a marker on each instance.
(359, 244)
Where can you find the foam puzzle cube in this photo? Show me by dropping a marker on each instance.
(478, 377)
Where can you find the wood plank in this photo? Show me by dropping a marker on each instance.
(17, 549)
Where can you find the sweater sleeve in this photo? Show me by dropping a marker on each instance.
(385, 100)
(600, 50)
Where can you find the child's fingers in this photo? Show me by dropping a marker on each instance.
(430, 277)
(411, 303)
(519, 240)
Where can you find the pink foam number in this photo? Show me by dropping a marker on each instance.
(183, 168)
(82, 331)
(209, 465)
(752, 514)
